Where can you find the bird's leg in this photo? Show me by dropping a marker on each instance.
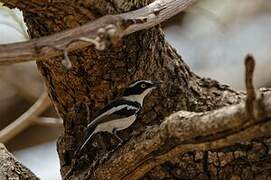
(120, 143)
(116, 135)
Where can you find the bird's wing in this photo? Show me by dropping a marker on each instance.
(115, 110)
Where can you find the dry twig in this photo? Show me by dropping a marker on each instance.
(251, 94)
(50, 122)
(111, 28)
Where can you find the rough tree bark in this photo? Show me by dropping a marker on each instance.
(96, 77)
(10, 168)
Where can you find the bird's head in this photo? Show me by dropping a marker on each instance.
(138, 90)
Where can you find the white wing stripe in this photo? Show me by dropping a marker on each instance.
(111, 111)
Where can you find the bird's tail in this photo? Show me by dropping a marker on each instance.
(84, 143)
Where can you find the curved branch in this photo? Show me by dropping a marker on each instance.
(186, 131)
(106, 30)
(23, 76)
(25, 119)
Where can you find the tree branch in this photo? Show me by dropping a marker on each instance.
(10, 168)
(251, 94)
(102, 32)
(25, 119)
(183, 132)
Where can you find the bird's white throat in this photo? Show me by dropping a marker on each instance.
(138, 98)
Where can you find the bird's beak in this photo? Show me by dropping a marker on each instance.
(156, 83)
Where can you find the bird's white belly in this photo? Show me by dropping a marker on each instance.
(118, 124)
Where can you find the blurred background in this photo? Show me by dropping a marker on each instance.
(213, 38)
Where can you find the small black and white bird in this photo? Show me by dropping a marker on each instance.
(120, 113)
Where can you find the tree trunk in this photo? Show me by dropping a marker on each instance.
(96, 77)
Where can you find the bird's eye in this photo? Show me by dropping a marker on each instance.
(143, 86)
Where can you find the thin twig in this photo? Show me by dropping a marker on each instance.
(114, 26)
(49, 121)
(251, 93)
(25, 119)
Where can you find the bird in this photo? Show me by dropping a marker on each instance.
(120, 113)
